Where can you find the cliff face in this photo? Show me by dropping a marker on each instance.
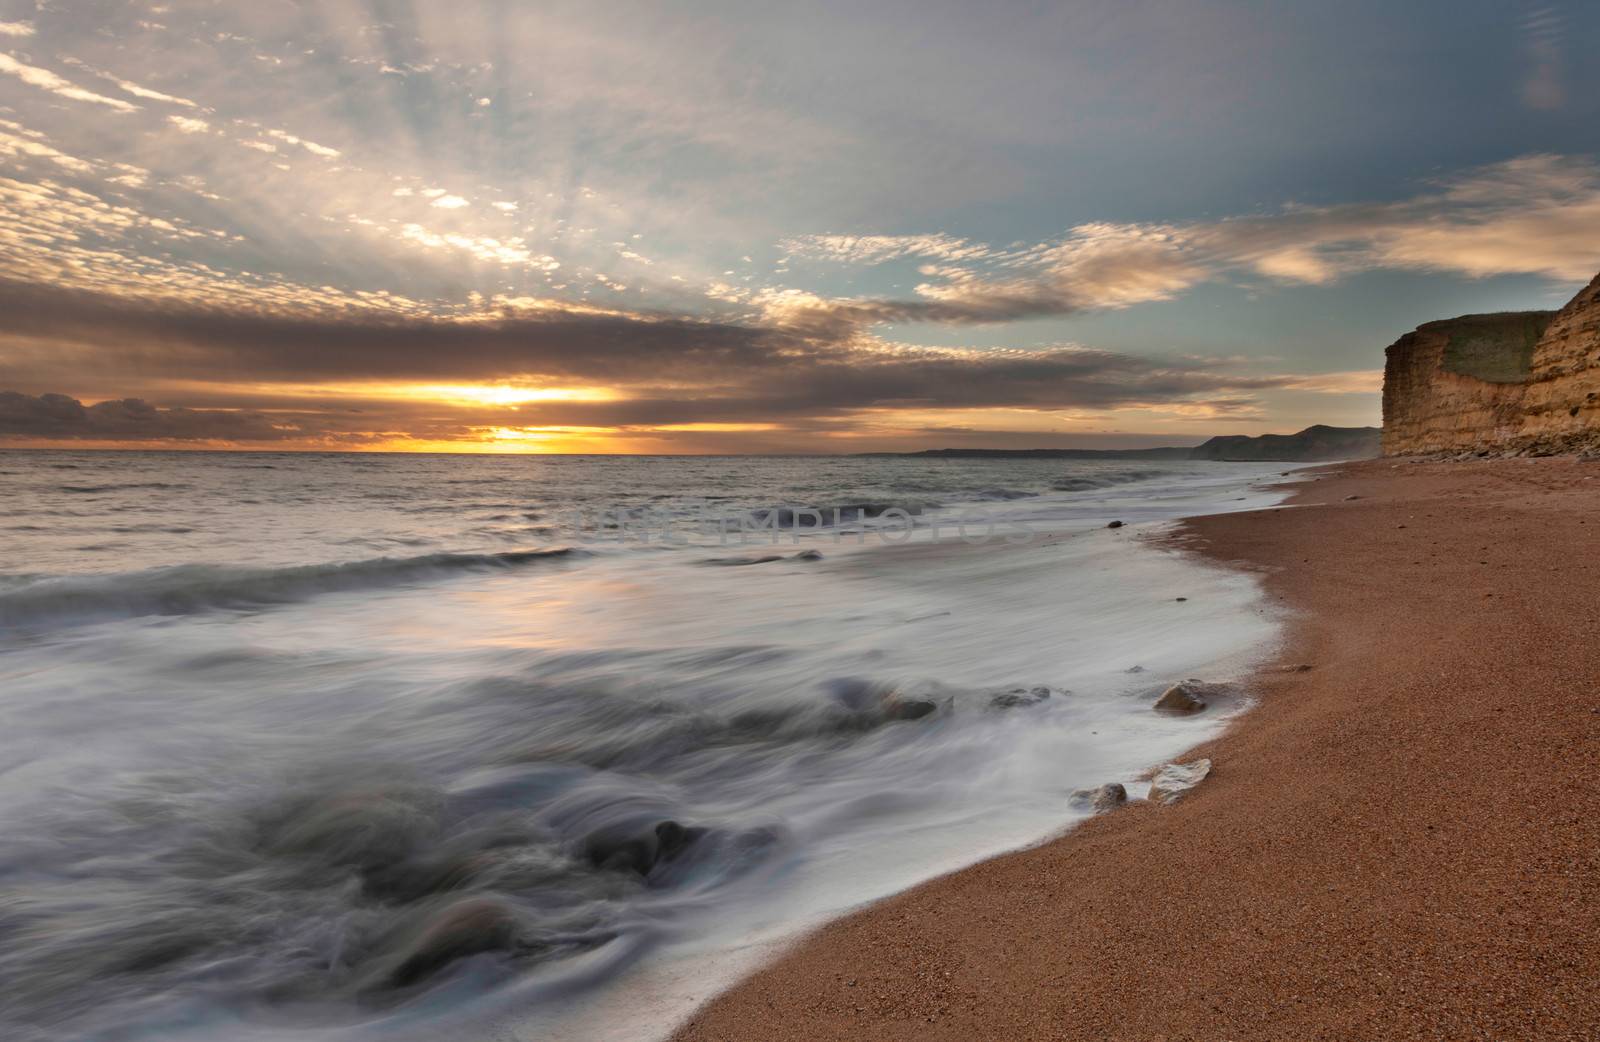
(1561, 409)
(1512, 383)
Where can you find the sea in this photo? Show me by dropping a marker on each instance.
(388, 746)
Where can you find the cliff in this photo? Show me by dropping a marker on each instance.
(1319, 442)
(1505, 384)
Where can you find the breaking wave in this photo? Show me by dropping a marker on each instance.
(1106, 479)
(193, 588)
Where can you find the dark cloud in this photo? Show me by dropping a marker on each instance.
(213, 343)
(56, 416)
(240, 371)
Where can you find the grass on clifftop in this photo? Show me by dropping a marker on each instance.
(1495, 348)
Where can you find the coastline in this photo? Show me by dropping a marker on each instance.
(1401, 842)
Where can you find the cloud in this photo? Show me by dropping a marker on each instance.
(309, 146)
(658, 370)
(58, 417)
(876, 249)
(189, 125)
(17, 141)
(1356, 381)
(44, 79)
(1534, 215)
(128, 86)
(1543, 31)
(15, 29)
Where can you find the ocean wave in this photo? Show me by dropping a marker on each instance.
(1002, 495)
(194, 588)
(129, 486)
(836, 513)
(1107, 479)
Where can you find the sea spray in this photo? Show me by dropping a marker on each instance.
(282, 787)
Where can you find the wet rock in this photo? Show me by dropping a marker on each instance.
(1298, 667)
(1175, 779)
(468, 927)
(632, 850)
(874, 702)
(1134, 669)
(1182, 699)
(1349, 498)
(403, 882)
(1115, 524)
(900, 708)
(1180, 598)
(361, 827)
(1019, 696)
(1101, 798)
(736, 562)
(808, 555)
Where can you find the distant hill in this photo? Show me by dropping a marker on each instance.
(1318, 442)
(1168, 452)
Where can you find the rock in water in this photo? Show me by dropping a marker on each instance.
(1019, 696)
(625, 849)
(896, 708)
(466, 928)
(1115, 524)
(1181, 699)
(1101, 798)
(1175, 779)
(808, 555)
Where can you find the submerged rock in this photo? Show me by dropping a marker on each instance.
(736, 562)
(875, 702)
(808, 555)
(1175, 779)
(898, 708)
(1101, 798)
(1020, 696)
(1182, 699)
(469, 927)
(631, 850)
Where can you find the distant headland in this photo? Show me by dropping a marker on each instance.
(1314, 444)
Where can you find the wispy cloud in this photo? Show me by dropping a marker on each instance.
(1535, 215)
(1544, 31)
(17, 142)
(875, 249)
(44, 79)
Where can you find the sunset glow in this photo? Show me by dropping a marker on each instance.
(224, 224)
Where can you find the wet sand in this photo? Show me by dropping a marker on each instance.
(1402, 842)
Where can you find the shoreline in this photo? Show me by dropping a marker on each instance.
(1401, 842)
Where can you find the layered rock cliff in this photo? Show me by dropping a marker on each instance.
(1511, 383)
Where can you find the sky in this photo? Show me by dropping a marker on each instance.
(798, 227)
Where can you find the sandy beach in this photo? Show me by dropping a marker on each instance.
(1402, 841)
